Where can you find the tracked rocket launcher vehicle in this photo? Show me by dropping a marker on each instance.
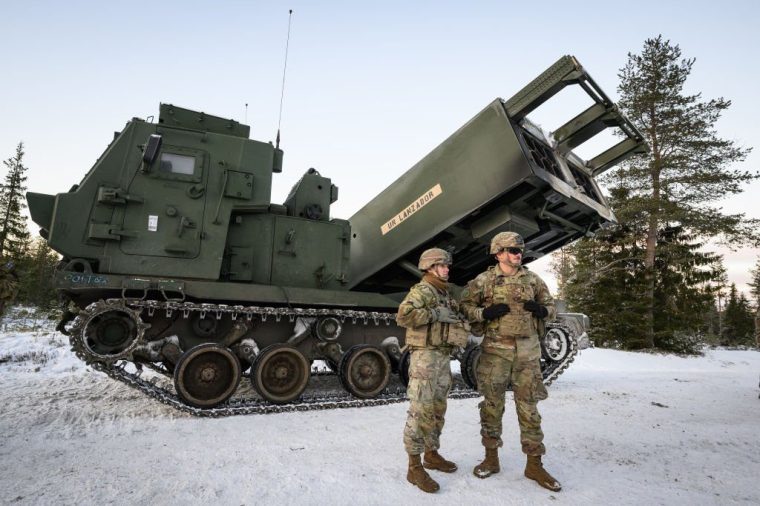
(175, 257)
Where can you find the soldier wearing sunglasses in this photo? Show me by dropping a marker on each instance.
(511, 304)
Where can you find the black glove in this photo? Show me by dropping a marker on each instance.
(495, 311)
(537, 309)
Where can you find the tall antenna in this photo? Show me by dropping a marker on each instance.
(285, 68)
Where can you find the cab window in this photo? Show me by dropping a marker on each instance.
(177, 164)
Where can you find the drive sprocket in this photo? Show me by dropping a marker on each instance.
(106, 331)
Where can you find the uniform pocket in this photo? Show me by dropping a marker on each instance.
(457, 335)
(539, 391)
(529, 383)
(416, 336)
(436, 333)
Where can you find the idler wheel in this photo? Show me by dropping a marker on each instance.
(555, 345)
(468, 366)
(206, 375)
(111, 333)
(280, 373)
(365, 371)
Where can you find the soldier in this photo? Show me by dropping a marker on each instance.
(429, 314)
(512, 304)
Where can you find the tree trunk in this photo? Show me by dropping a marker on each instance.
(651, 241)
(649, 256)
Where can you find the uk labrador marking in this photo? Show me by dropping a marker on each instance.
(412, 208)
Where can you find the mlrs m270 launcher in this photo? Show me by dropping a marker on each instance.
(175, 257)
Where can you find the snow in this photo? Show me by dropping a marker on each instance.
(621, 428)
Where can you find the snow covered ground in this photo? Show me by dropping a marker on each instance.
(621, 428)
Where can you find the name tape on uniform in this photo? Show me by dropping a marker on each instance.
(412, 208)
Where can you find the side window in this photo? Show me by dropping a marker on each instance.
(179, 164)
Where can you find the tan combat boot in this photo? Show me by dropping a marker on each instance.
(418, 476)
(490, 464)
(433, 460)
(535, 471)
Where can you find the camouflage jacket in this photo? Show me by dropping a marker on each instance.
(495, 287)
(415, 315)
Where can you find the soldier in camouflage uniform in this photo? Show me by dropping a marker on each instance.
(511, 303)
(433, 328)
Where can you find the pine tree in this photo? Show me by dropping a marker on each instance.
(605, 288)
(561, 266)
(14, 236)
(712, 323)
(608, 283)
(604, 284)
(738, 324)
(714, 316)
(754, 283)
(684, 292)
(689, 166)
(36, 280)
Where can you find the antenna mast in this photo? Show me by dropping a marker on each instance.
(284, 69)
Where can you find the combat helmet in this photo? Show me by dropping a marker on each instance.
(433, 256)
(506, 240)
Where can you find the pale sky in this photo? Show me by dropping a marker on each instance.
(371, 87)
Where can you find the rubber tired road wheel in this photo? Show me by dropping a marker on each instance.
(468, 366)
(365, 370)
(403, 367)
(207, 375)
(280, 373)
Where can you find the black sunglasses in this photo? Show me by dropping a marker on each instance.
(514, 251)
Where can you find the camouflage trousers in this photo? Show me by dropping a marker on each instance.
(520, 366)
(428, 390)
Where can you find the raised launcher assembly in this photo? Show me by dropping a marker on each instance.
(176, 258)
